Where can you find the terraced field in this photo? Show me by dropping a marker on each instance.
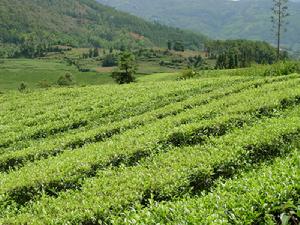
(221, 150)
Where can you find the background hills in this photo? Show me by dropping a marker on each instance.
(220, 19)
(82, 23)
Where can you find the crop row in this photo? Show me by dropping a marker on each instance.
(73, 166)
(176, 107)
(83, 102)
(36, 132)
(90, 115)
(126, 107)
(140, 120)
(42, 149)
(166, 175)
(267, 195)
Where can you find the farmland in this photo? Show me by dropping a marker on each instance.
(214, 149)
(110, 119)
(35, 71)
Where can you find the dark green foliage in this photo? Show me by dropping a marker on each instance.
(36, 26)
(109, 60)
(96, 52)
(241, 53)
(229, 60)
(127, 69)
(81, 66)
(66, 80)
(170, 45)
(196, 62)
(22, 87)
(123, 77)
(93, 53)
(127, 62)
(178, 46)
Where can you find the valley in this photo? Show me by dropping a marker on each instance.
(107, 118)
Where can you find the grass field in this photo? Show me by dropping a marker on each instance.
(32, 71)
(13, 72)
(208, 150)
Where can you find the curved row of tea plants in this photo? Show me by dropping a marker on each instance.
(166, 176)
(81, 112)
(136, 159)
(55, 145)
(266, 195)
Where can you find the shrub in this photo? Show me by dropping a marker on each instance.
(66, 80)
(123, 77)
(22, 87)
(84, 70)
(187, 74)
(44, 84)
(283, 68)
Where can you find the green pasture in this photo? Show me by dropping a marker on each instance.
(32, 71)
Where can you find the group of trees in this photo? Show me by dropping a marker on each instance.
(176, 46)
(241, 53)
(30, 49)
(196, 62)
(93, 53)
(110, 60)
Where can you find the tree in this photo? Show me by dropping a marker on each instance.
(280, 13)
(96, 52)
(91, 53)
(196, 62)
(222, 61)
(178, 46)
(169, 45)
(127, 69)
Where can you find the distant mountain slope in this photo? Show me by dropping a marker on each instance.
(82, 23)
(225, 19)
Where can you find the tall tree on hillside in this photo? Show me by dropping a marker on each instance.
(280, 13)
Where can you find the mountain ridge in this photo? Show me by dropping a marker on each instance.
(244, 19)
(83, 23)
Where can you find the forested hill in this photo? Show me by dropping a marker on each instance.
(221, 19)
(82, 23)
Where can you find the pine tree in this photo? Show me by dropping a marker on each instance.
(280, 13)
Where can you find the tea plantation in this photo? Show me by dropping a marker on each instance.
(218, 149)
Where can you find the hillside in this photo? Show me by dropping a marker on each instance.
(82, 23)
(222, 19)
(190, 151)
